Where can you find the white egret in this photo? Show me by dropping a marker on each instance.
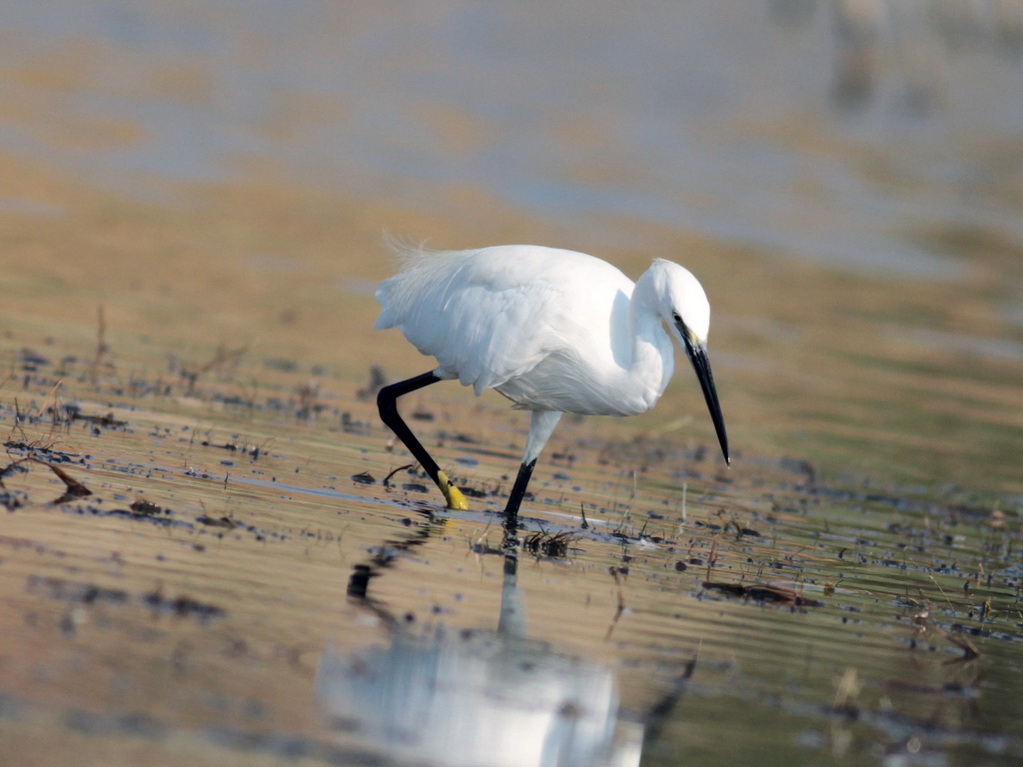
(554, 331)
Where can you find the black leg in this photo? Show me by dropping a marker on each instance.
(518, 491)
(510, 545)
(387, 404)
(540, 428)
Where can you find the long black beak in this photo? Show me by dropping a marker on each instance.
(701, 364)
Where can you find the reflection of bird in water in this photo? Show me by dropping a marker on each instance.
(552, 330)
(463, 698)
(468, 697)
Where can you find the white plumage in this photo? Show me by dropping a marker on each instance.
(553, 330)
(550, 329)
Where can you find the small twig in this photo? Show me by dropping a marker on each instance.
(921, 624)
(8, 469)
(74, 487)
(18, 417)
(101, 344)
(221, 357)
(621, 605)
(400, 468)
(712, 558)
(52, 395)
(970, 651)
(938, 585)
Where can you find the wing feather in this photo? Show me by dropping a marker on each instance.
(492, 315)
(471, 311)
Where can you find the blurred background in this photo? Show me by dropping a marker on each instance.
(845, 177)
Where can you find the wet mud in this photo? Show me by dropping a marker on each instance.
(232, 569)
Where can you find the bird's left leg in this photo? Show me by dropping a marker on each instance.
(387, 404)
(540, 429)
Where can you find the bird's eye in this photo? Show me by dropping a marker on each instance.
(675, 316)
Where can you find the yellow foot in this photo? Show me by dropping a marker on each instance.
(455, 498)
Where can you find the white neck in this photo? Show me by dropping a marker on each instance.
(653, 354)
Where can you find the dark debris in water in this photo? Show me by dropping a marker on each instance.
(13, 499)
(147, 508)
(50, 458)
(12, 468)
(554, 545)
(223, 521)
(350, 425)
(146, 513)
(763, 593)
(49, 454)
(30, 360)
(288, 748)
(252, 451)
(460, 437)
(74, 413)
(484, 548)
(135, 724)
(184, 607)
(377, 381)
(78, 592)
(86, 593)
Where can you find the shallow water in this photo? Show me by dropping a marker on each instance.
(272, 554)
(191, 228)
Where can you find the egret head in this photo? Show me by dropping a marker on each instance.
(685, 309)
(684, 305)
